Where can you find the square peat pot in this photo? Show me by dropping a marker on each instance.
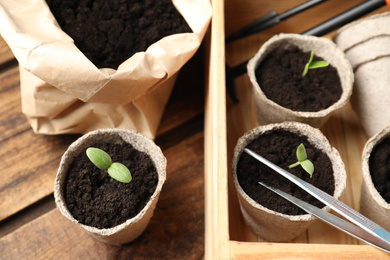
(227, 236)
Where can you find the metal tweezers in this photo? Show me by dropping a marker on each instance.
(364, 229)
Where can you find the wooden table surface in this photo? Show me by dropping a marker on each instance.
(31, 227)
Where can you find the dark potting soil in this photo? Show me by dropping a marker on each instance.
(95, 199)
(280, 78)
(110, 31)
(379, 164)
(279, 147)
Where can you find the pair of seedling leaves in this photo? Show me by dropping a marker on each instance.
(306, 164)
(103, 161)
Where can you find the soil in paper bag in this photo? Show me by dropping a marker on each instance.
(109, 32)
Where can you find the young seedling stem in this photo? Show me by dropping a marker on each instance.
(313, 64)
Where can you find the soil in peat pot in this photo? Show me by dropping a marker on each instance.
(110, 32)
(280, 78)
(95, 199)
(279, 147)
(379, 163)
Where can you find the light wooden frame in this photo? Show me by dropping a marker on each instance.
(218, 244)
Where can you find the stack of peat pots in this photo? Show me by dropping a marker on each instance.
(366, 44)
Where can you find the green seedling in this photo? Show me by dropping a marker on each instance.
(313, 64)
(303, 161)
(103, 161)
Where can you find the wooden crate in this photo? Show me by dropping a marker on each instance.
(227, 236)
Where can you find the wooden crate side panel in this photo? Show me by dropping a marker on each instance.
(216, 234)
(249, 251)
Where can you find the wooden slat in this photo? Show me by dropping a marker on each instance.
(320, 232)
(6, 54)
(355, 139)
(241, 13)
(12, 121)
(29, 165)
(286, 251)
(176, 230)
(215, 143)
(27, 215)
(29, 162)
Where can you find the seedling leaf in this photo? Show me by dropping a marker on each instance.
(318, 64)
(303, 161)
(99, 158)
(301, 153)
(313, 64)
(308, 167)
(119, 172)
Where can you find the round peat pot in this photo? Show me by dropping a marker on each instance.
(375, 167)
(267, 214)
(137, 146)
(294, 86)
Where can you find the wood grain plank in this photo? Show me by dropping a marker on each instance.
(30, 164)
(217, 233)
(48, 237)
(355, 139)
(176, 230)
(240, 13)
(287, 251)
(241, 118)
(321, 233)
(27, 215)
(6, 55)
(12, 121)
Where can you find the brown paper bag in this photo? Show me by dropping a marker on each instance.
(63, 92)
